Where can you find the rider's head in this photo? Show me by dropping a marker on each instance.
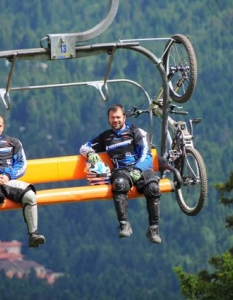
(117, 117)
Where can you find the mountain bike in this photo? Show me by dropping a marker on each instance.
(181, 158)
(184, 162)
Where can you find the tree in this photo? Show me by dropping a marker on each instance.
(217, 283)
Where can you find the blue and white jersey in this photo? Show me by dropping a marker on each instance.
(126, 147)
(12, 157)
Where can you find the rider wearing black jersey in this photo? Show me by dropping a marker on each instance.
(129, 149)
(13, 166)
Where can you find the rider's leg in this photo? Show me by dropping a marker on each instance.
(148, 184)
(152, 195)
(22, 192)
(31, 218)
(120, 188)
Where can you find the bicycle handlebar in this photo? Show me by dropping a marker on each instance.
(136, 112)
(179, 112)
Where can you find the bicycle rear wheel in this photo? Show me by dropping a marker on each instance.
(192, 195)
(180, 64)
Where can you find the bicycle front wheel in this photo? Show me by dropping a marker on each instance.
(192, 194)
(180, 64)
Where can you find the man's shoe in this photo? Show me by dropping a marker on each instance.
(124, 229)
(35, 240)
(153, 234)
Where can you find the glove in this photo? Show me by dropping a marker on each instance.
(94, 158)
(135, 174)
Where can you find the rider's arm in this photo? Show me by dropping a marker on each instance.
(18, 164)
(92, 146)
(143, 149)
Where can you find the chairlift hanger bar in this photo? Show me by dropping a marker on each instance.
(81, 51)
(95, 31)
(44, 54)
(72, 38)
(98, 84)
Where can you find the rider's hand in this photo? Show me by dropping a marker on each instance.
(3, 179)
(135, 174)
(94, 157)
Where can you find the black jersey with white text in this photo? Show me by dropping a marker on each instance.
(126, 147)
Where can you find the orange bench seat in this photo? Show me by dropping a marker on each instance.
(68, 168)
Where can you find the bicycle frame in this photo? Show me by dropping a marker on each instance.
(175, 134)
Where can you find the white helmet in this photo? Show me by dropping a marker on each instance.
(98, 173)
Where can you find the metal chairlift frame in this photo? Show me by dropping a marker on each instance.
(63, 46)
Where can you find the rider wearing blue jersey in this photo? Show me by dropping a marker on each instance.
(129, 149)
(13, 166)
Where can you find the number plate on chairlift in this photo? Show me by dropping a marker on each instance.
(62, 46)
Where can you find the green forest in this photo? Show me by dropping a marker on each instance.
(82, 238)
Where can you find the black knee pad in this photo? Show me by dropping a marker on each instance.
(120, 184)
(151, 190)
(16, 193)
(148, 177)
(122, 173)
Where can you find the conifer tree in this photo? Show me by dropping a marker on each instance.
(217, 284)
